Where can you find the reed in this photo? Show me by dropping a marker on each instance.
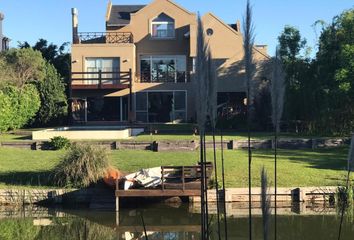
(248, 43)
(265, 201)
(202, 85)
(277, 94)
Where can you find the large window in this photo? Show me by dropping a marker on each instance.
(163, 27)
(161, 106)
(163, 68)
(108, 66)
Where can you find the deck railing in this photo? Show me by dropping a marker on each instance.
(100, 79)
(171, 76)
(103, 37)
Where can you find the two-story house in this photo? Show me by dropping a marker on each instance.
(140, 68)
(4, 41)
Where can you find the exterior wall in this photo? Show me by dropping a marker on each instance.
(140, 26)
(126, 52)
(226, 46)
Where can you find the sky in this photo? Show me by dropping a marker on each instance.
(29, 20)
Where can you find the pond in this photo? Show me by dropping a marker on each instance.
(181, 221)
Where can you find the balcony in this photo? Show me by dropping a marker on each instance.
(103, 37)
(101, 80)
(164, 77)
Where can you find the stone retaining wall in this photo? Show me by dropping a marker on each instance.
(21, 197)
(305, 194)
(192, 145)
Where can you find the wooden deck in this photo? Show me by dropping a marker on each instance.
(176, 181)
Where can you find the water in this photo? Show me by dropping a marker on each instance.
(167, 222)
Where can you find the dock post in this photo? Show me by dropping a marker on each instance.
(117, 197)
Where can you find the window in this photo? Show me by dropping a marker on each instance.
(108, 66)
(161, 106)
(163, 69)
(163, 27)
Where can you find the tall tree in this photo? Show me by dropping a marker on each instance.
(335, 72)
(53, 109)
(57, 56)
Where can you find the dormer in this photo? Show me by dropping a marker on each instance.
(162, 27)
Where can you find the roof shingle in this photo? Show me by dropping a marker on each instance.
(120, 14)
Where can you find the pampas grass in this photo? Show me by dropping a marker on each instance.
(202, 85)
(265, 199)
(83, 165)
(277, 91)
(248, 42)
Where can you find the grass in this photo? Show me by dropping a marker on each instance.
(325, 167)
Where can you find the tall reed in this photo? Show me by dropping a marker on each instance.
(201, 81)
(248, 43)
(277, 94)
(266, 203)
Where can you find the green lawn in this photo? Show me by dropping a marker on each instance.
(26, 168)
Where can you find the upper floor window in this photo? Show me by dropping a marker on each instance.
(105, 68)
(162, 27)
(165, 68)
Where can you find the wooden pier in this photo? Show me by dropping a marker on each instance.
(176, 181)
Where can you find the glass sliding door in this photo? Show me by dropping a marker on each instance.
(109, 67)
(161, 106)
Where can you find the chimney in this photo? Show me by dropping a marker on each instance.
(75, 25)
(238, 26)
(1, 36)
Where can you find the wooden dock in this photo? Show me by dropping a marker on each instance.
(176, 181)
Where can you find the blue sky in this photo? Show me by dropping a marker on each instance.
(29, 20)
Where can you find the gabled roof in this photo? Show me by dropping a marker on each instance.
(120, 14)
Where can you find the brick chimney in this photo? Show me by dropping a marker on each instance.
(75, 25)
(238, 26)
(1, 35)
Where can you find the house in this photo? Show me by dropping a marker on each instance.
(140, 69)
(4, 41)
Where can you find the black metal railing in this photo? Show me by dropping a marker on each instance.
(100, 79)
(171, 76)
(104, 37)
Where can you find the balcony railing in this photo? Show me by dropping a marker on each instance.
(104, 37)
(161, 77)
(101, 80)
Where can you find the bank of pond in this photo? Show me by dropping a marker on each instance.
(170, 221)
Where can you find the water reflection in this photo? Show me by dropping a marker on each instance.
(164, 222)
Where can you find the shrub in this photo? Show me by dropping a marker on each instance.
(83, 165)
(18, 107)
(57, 143)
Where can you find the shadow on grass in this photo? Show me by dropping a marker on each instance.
(33, 179)
(331, 158)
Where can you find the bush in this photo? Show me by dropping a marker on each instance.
(18, 106)
(83, 165)
(57, 143)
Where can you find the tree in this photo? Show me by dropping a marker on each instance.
(52, 94)
(334, 66)
(23, 66)
(55, 55)
(290, 43)
(299, 77)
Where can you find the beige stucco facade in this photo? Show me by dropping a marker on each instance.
(225, 43)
